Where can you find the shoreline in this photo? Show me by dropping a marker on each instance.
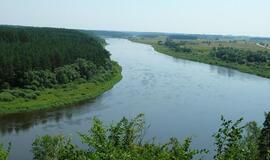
(71, 95)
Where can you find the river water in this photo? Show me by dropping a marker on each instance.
(179, 98)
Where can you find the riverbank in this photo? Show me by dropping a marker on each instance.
(63, 95)
(259, 70)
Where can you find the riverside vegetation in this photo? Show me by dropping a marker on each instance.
(124, 141)
(243, 55)
(48, 68)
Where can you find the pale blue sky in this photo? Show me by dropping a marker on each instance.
(234, 17)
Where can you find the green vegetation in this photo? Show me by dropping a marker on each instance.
(4, 152)
(121, 141)
(125, 141)
(245, 56)
(49, 68)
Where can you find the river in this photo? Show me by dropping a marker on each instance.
(179, 98)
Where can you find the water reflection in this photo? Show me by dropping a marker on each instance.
(222, 71)
(23, 121)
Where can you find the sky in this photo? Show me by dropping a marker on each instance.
(226, 17)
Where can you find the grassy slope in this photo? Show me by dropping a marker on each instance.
(260, 70)
(72, 94)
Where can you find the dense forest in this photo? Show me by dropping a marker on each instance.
(43, 68)
(125, 141)
(28, 53)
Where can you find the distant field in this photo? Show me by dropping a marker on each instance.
(201, 45)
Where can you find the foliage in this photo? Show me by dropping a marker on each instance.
(39, 79)
(20, 93)
(227, 140)
(120, 141)
(250, 141)
(6, 97)
(80, 69)
(235, 141)
(55, 148)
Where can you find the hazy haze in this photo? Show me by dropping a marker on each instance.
(235, 17)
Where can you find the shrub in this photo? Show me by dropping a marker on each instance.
(24, 93)
(6, 97)
(4, 152)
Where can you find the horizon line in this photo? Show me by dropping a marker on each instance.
(136, 31)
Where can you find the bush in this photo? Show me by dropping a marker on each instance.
(24, 93)
(39, 79)
(6, 97)
(54, 148)
(3, 152)
(235, 141)
(86, 69)
(66, 74)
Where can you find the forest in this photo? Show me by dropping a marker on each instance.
(40, 67)
(27, 50)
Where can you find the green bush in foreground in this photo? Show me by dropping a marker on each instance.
(124, 141)
(120, 141)
(4, 152)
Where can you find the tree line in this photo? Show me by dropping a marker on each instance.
(29, 51)
(125, 141)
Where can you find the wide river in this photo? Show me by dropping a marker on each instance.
(179, 98)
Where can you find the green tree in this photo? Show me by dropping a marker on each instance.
(227, 140)
(264, 140)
